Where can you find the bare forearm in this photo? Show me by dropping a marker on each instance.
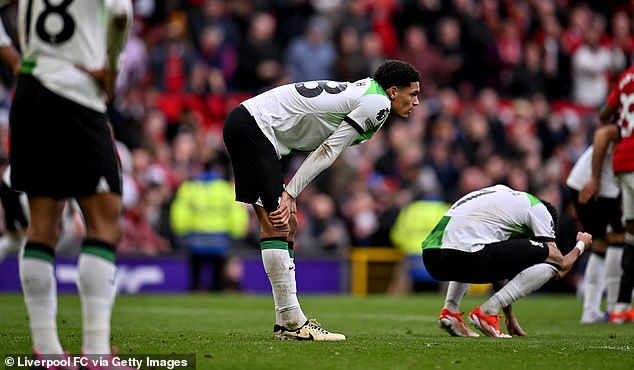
(9, 55)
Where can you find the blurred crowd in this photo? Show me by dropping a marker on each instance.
(510, 94)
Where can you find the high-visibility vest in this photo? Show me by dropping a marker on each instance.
(414, 223)
(208, 207)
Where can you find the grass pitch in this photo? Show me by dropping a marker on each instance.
(384, 332)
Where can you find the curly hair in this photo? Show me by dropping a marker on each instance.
(396, 73)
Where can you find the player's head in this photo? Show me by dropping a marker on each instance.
(553, 213)
(401, 82)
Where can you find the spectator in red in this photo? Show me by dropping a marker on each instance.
(173, 58)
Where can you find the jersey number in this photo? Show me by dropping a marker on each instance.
(315, 88)
(60, 11)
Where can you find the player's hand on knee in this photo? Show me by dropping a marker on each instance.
(281, 216)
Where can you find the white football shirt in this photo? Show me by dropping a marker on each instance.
(489, 215)
(301, 116)
(329, 115)
(582, 171)
(56, 36)
(5, 40)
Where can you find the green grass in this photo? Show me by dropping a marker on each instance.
(384, 332)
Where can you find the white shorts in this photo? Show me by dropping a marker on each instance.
(627, 192)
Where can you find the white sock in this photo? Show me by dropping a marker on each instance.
(97, 292)
(40, 296)
(524, 283)
(613, 272)
(594, 282)
(281, 273)
(455, 292)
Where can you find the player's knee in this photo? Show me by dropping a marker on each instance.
(292, 226)
(268, 231)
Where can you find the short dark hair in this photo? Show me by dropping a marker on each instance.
(396, 73)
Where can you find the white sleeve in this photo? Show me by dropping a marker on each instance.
(5, 40)
(372, 111)
(321, 158)
(541, 221)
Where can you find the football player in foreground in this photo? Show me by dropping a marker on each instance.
(62, 147)
(490, 235)
(321, 117)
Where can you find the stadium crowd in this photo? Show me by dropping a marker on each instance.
(510, 94)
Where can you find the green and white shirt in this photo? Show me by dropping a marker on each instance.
(322, 117)
(57, 36)
(489, 215)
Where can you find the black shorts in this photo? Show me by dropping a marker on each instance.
(494, 262)
(608, 208)
(59, 148)
(257, 170)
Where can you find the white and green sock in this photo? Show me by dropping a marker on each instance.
(40, 296)
(524, 283)
(96, 284)
(281, 272)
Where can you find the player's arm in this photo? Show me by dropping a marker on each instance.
(320, 159)
(584, 240)
(601, 141)
(8, 53)
(119, 21)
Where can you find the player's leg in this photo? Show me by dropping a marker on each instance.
(594, 283)
(280, 269)
(615, 238)
(623, 307)
(542, 260)
(96, 269)
(450, 318)
(37, 276)
(595, 272)
(613, 272)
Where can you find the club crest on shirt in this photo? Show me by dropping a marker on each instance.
(382, 114)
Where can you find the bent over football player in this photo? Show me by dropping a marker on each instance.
(321, 117)
(490, 235)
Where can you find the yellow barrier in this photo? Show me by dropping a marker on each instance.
(372, 269)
